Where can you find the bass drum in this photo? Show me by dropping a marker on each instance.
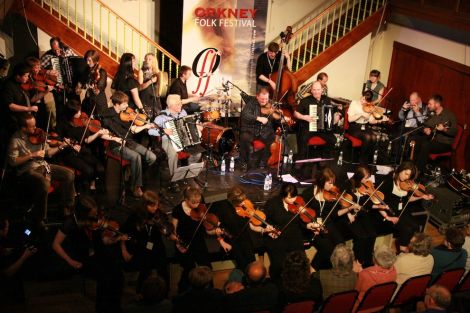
(220, 139)
(459, 184)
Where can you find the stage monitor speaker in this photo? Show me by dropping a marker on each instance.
(448, 208)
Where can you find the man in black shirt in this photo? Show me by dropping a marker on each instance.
(131, 150)
(267, 64)
(255, 126)
(179, 88)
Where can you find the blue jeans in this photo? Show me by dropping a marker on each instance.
(134, 157)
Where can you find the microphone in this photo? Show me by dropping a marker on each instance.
(226, 86)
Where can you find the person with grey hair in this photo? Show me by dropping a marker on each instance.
(418, 261)
(342, 276)
(382, 272)
(437, 299)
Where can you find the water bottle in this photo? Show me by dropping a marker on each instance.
(232, 164)
(266, 183)
(270, 181)
(389, 148)
(222, 167)
(376, 155)
(290, 158)
(340, 158)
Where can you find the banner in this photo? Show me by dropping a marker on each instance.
(221, 42)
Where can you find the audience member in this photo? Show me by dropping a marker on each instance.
(342, 276)
(437, 299)
(466, 246)
(418, 261)
(450, 254)
(154, 299)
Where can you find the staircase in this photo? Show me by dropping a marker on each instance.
(331, 33)
(90, 24)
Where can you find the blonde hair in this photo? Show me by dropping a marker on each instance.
(153, 64)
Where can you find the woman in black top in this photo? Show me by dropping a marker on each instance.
(291, 238)
(95, 79)
(79, 155)
(191, 245)
(127, 82)
(391, 217)
(149, 80)
(324, 241)
(146, 250)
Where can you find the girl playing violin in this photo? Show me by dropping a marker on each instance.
(78, 154)
(291, 238)
(95, 84)
(240, 242)
(146, 250)
(323, 199)
(191, 246)
(390, 217)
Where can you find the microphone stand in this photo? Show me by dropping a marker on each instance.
(244, 97)
(122, 187)
(282, 140)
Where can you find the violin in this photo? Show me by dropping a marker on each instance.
(374, 109)
(40, 81)
(94, 74)
(376, 196)
(93, 125)
(345, 200)
(419, 190)
(307, 215)
(268, 110)
(129, 115)
(211, 222)
(247, 209)
(40, 137)
(198, 213)
(110, 227)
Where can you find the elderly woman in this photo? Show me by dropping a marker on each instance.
(382, 272)
(341, 277)
(418, 261)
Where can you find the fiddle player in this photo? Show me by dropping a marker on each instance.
(179, 87)
(173, 111)
(291, 238)
(358, 119)
(79, 154)
(267, 64)
(36, 173)
(255, 126)
(439, 132)
(146, 251)
(386, 218)
(95, 84)
(327, 234)
(190, 243)
(375, 86)
(304, 118)
(122, 142)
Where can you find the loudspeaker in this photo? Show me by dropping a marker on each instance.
(448, 208)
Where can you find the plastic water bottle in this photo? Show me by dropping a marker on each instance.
(232, 164)
(290, 158)
(376, 155)
(389, 148)
(340, 158)
(266, 183)
(222, 167)
(270, 181)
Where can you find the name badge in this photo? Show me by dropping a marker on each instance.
(363, 127)
(149, 245)
(400, 206)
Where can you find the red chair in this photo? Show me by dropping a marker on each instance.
(464, 285)
(461, 295)
(258, 145)
(450, 278)
(448, 155)
(111, 155)
(315, 142)
(355, 142)
(377, 297)
(341, 302)
(299, 307)
(412, 290)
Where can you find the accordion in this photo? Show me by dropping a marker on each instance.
(185, 132)
(323, 116)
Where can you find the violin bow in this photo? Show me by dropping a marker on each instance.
(43, 147)
(296, 214)
(329, 213)
(372, 194)
(414, 190)
(198, 226)
(87, 124)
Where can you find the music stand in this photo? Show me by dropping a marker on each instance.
(183, 172)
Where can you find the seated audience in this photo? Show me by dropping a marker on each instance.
(437, 299)
(298, 284)
(418, 261)
(466, 246)
(450, 254)
(201, 297)
(382, 272)
(341, 277)
(154, 299)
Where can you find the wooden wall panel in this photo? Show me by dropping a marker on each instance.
(412, 69)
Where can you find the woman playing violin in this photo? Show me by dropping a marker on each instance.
(191, 248)
(291, 238)
(95, 80)
(146, 250)
(390, 218)
(78, 154)
(240, 242)
(328, 234)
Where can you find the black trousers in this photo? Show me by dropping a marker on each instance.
(424, 146)
(246, 147)
(368, 141)
(85, 162)
(302, 143)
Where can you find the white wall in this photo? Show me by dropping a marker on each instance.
(381, 52)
